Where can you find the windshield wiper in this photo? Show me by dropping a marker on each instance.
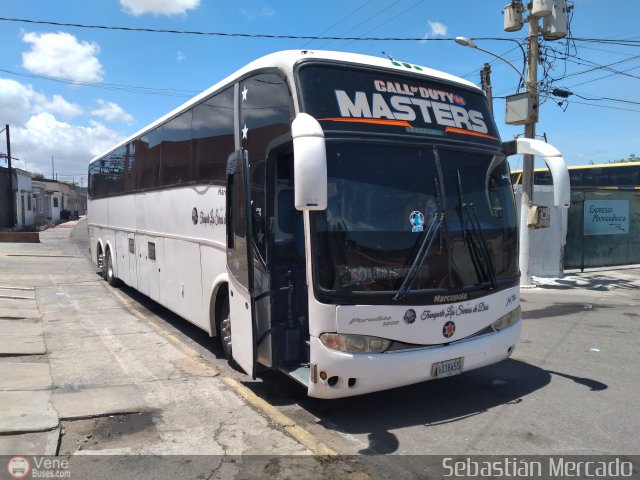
(420, 256)
(478, 248)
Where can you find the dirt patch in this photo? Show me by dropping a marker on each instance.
(19, 237)
(196, 367)
(113, 431)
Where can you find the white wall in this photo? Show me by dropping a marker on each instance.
(546, 244)
(23, 192)
(55, 211)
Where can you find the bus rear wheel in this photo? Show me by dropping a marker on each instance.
(108, 274)
(225, 330)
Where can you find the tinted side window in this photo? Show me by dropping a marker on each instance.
(265, 113)
(213, 139)
(176, 150)
(131, 167)
(106, 176)
(150, 155)
(265, 121)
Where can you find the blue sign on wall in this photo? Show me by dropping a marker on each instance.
(606, 217)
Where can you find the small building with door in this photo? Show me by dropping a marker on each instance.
(22, 215)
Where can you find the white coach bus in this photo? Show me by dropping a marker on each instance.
(345, 219)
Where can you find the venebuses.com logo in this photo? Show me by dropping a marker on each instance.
(18, 467)
(38, 467)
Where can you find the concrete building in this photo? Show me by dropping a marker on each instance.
(58, 200)
(23, 213)
(23, 198)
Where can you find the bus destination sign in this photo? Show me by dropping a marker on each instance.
(367, 101)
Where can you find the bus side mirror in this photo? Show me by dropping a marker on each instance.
(556, 164)
(309, 164)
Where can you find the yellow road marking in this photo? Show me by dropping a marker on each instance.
(287, 424)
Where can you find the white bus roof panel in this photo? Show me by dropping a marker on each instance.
(286, 60)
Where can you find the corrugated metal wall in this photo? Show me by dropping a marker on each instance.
(603, 228)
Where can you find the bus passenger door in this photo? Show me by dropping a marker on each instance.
(239, 260)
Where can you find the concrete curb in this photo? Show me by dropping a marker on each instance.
(288, 425)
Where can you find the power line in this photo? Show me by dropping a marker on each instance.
(607, 99)
(240, 35)
(389, 20)
(609, 41)
(563, 93)
(606, 51)
(601, 67)
(348, 15)
(110, 86)
(603, 77)
(603, 106)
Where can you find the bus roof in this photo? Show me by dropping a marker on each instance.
(285, 61)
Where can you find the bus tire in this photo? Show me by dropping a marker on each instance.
(225, 330)
(108, 274)
(225, 334)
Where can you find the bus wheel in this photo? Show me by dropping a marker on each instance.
(108, 270)
(225, 330)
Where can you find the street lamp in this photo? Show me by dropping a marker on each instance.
(467, 42)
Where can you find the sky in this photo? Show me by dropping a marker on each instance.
(71, 93)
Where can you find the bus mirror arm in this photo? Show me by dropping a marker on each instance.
(309, 164)
(554, 160)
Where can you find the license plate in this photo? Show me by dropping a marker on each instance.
(447, 368)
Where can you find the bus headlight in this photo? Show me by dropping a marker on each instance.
(507, 320)
(354, 343)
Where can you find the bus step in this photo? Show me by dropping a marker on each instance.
(300, 373)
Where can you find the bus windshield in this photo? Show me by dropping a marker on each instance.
(384, 198)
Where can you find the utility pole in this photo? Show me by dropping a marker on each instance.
(485, 81)
(527, 160)
(553, 14)
(522, 109)
(12, 208)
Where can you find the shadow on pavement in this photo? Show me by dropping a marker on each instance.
(594, 385)
(429, 403)
(377, 415)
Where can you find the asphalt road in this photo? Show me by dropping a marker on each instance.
(572, 386)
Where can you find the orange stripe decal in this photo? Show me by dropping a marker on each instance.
(468, 132)
(374, 121)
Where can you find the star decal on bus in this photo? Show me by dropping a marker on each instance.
(244, 132)
(244, 93)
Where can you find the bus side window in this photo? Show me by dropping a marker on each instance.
(150, 157)
(176, 150)
(212, 131)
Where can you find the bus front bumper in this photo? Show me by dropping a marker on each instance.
(364, 373)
